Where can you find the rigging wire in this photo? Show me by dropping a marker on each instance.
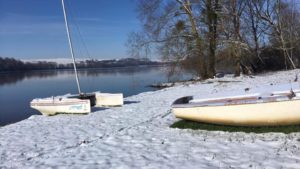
(73, 14)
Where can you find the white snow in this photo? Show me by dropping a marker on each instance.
(138, 135)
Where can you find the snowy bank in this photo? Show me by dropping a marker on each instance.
(138, 135)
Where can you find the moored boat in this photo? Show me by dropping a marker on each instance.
(277, 108)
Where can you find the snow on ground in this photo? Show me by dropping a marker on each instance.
(137, 135)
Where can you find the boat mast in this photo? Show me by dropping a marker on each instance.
(71, 45)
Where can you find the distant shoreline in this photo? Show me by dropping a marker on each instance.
(13, 65)
(82, 69)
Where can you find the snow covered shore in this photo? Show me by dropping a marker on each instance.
(137, 135)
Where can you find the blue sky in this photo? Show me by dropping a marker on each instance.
(34, 29)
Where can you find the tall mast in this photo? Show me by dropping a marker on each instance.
(71, 46)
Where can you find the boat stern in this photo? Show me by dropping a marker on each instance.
(109, 99)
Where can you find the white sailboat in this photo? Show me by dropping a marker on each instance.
(75, 104)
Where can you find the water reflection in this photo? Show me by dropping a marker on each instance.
(15, 77)
(12, 78)
(116, 71)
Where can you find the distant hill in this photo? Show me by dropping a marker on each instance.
(11, 64)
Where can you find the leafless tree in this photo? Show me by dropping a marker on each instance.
(173, 27)
(291, 29)
(232, 12)
(271, 13)
(254, 25)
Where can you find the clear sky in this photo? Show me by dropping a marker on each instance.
(34, 29)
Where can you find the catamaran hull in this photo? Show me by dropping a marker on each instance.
(109, 100)
(49, 108)
(258, 114)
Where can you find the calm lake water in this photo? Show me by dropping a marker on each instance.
(18, 89)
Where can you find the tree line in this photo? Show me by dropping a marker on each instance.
(11, 64)
(206, 35)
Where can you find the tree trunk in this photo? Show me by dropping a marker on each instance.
(236, 38)
(202, 63)
(237, 53)
(198, 47)
(212, 19)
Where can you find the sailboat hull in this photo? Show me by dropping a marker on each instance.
(253, 114)
(52, 106)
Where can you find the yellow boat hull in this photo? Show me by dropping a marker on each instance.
(254, 114)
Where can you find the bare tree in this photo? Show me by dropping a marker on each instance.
(291, 29)
(187, 8)
(272, 15)
(233, 10)
(254, 24)
(173, 28)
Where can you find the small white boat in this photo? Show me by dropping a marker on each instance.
(108, 99)
(55, 105)
(277, 108)
(80, 103)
